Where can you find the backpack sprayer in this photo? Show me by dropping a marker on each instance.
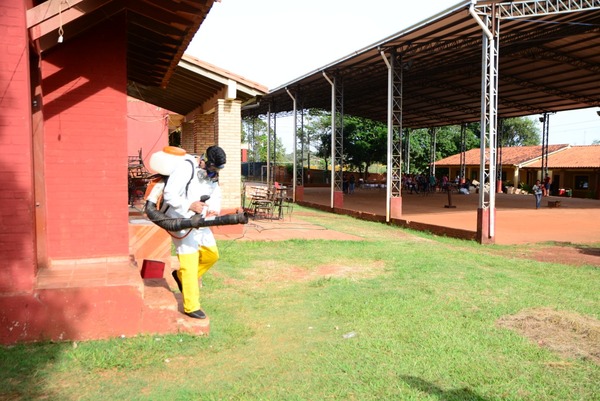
(163, 162)
(198, 220)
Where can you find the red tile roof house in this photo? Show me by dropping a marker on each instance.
(576, 168)
(67, 75)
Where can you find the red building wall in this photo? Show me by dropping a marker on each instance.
(85, 108)
(147, 127)
(17, 232)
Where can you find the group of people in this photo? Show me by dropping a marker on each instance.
(422, 183)
(418, 183)
(348, 184)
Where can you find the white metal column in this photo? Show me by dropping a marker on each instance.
(337, 134)
(489, 90)
(488, 15)
(298, 169)
(394, 123)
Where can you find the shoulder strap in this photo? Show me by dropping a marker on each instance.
(191, 177)
(165, 206)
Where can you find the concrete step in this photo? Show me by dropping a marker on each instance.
(95, 299)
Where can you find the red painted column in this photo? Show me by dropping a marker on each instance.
(396, 208)
(17, 222)
(299, 193)
(483, 226)
(338, 199)
(84, 84)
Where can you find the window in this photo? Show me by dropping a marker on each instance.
(581, 182)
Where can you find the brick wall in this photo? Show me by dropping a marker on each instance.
(188, 137)
(204, 126)
(229, 128)
(17, 233)
(85, 107)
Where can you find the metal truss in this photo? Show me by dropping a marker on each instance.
(337, 134)
(545, 120)
(552, 91)
(499, 150)
(397, 82)
(432, 151)
(522, 9)
(394, 157)
(437, 102)
(542, 53)
(488, 15)
(299, 164)
(489, 103)
(251, 164)
(406, 150)
(270, 129)
(298, 169)
(463, 149)
(468, 93)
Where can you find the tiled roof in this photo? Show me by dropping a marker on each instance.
(513, 156)
(573, 157)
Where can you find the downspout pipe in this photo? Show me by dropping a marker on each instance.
(474, 14)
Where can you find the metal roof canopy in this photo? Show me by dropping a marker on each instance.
(547, 63)
(454, 68)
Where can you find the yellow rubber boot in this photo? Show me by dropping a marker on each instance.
(188, 274)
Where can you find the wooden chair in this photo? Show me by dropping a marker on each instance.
(282, 201)
(262, 202)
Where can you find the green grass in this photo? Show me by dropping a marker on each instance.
(422, 309)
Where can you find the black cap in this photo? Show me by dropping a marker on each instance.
(216, 156)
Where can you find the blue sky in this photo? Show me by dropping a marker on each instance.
(273, 42)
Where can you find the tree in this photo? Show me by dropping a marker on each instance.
(518, 131)
(447, 143)
(316, 124)
(365, 141)
(254, 132)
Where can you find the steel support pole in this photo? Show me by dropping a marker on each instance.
(406, 154)
(499, 145)
(337, 136)
(545, 125)
(269, 145)
(274, 172)
(394, 143)
(489, 103)
(463, 149)
(432, 151)
(298, 173)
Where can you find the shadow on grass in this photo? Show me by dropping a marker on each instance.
(24, 370)
(461, 394)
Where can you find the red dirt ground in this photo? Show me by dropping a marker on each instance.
(568, 234)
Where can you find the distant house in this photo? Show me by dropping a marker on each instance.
(576, 168)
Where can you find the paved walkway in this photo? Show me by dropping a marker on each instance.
(517, 220)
